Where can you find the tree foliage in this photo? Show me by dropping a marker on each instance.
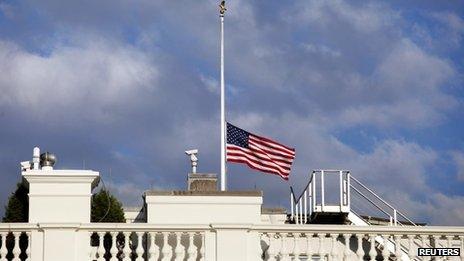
(106, 208)
(17, 209)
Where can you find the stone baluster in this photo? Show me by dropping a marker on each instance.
(411, 247)
(296, 248)
(423, 240)
(424, 244)
(28, 248)
(101, 247)
(114, 247)
(179, 250)
(191, 250)
(203, 247)
(321, 251)
(347, 252)
(398, 251)
(92, 253)
(3, 250)
(309, 249)
(127, 250)
(436, 241)
(373, 251)
(261, 252)
(449, 241)
(166, 250)
(385, 251)
(139, 250)
(334, 250)
(284, 253)
(16, 249)
(153, 250)
(436, 244)
(271, 253)
(461, 238)
(360, 250)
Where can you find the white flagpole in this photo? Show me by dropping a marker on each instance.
(223, 116)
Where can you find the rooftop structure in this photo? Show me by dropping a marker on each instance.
(206, 224)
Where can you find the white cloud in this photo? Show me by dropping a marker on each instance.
(321, 49)
(365, 18)
(7, 10)
(458, 158)
(454, 26)
(210, 83)
(405, 90)
(81, 81)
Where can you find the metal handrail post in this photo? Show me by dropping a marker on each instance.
(348, 186)
(291, 206)
(305, 206)
(322, 191)
(342, 191)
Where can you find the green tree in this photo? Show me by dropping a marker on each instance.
(17, 209)
(106, 208)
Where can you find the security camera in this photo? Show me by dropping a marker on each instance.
(25, 165)
(193, 159)
(190, 152)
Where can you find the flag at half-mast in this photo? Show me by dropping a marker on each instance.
(259, 153)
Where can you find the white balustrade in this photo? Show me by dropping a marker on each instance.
(143, 243)
(111, 242)
(373, 242)
(15, 242)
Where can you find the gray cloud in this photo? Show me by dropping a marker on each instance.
(131, 85)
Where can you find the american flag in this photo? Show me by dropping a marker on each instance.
(258, 152)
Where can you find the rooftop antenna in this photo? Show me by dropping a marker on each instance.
(193, 159)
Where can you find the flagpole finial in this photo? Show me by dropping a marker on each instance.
(222, 8)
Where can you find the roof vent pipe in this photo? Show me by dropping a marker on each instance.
(47, 160)
(36, 158)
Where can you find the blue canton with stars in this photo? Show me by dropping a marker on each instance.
(237, 136)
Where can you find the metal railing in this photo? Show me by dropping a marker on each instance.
(313, 199)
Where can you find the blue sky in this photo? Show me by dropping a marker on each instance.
(127, 86)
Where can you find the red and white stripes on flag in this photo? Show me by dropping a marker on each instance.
(258, 152)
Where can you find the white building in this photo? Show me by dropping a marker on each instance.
(204, 224)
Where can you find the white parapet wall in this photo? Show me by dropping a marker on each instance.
(59, 201)
(203, 207)
(60, 195)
